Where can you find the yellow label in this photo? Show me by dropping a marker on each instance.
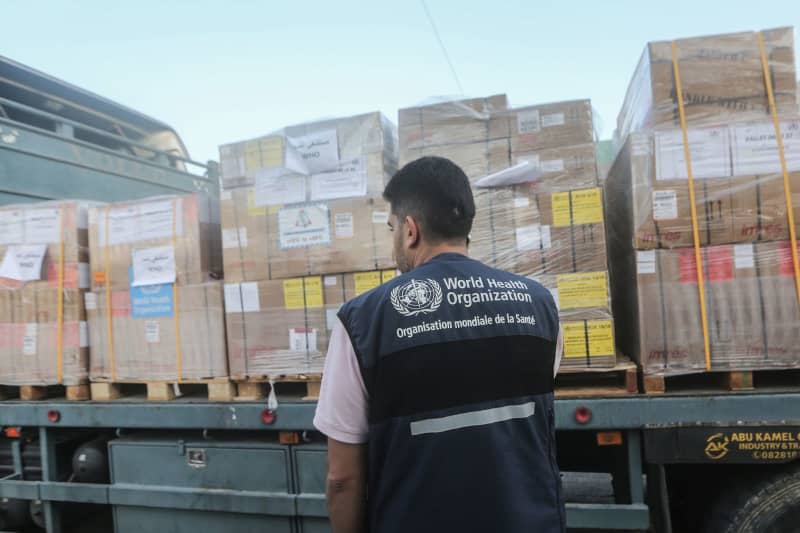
(574, 336)
(252, 209)
(366, 281)
(601, 338)
(293, 293)
(252, 156)
(271, 152)
(582, 290)
(386, 275)
(314, 297)
(587, 206)
(561, 208)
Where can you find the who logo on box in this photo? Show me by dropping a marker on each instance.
(418, 296)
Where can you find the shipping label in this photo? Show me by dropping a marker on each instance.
(279, 190)
(153, 266)
(755, 149)
(318, 152)
(528, 122)
(665, 205)
(365, 281)
(349, 180)
(23, 262)
(709, 149)
(582, 290)
(307, 225)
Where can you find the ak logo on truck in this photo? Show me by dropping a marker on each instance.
(717, 446)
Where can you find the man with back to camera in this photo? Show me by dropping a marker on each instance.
(437, 395)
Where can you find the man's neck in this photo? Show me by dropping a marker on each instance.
(430, 252)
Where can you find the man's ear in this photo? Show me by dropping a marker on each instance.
(412, 235)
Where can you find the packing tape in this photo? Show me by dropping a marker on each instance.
(107, 280)
(698, 257)
(787, 188)
(175, 302)
(60, 303)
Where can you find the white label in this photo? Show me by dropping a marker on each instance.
(42, 226)
(29, 340)
(90, 299)
(84, 277)
(83, 334)
(343, 223)
(554, 292)
(743, 256)
(250, 301)
(533, 237)
(278, 190)
(318, 151)
(153, 266)
(552, 165)
(331, 317)
(12, 227)
(528, 121)
(234, 238)
(226, 195)
(233, 298)
(308, 225)
(380, 217)
(709, 149)
(140, 222)
(554, 119)
(521, 202)
(348, 180)
(330, 281)
(152, 331)
(665, 205)
(303, 339)
(23, 262)
(646, 262)
(756, 152)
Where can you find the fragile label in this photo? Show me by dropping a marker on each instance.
(528, 121)
(234, 237)
(380, 217)
(709, 149)
(29, 340)
(90, 300)
(152, 331)
(552, 165)
(318, 151)
(553, 119)
(23, 262)
(278, 190)
(303, 339)
(533, 237)
(665, 205)
(343, 224)
(307, 225)
(755, 149)
(366, 281)
(646, 262)
(152, 301)
(582, 290)
(347, 181)
(152, 266)
(743, 256)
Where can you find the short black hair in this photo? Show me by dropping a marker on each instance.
(437, 193)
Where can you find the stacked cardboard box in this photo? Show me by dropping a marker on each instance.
(539, 211)
(298, 205)
(155, 313)
(742, 222)
(39, 244)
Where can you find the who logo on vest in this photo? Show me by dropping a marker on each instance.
(418, 296)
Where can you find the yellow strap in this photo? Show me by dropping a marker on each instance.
(107, 280)
(175, 302)
(60, 303)
(698, 257)
(787, 188)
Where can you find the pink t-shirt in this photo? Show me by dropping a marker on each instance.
(342, 406)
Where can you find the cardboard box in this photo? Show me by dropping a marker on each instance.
(562, 168)
(552, 125)
(46, 224)
(476, 159)
(146, 323)
(278, 242)
(588, 339)
(332, 153)
(753, 315)
(29, 337)
(722, 79)
(152, 237)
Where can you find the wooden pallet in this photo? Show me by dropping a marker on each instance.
(257, 388)
(218, 389)
(32, 393)
(723, 381)
(619, 380)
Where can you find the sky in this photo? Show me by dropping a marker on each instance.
(223, 71)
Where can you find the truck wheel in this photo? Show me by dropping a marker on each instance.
(767, 505)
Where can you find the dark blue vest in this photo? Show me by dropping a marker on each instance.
(457, 358)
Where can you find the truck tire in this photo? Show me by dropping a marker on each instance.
(767, 505)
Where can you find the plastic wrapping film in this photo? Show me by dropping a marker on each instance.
(43, 246)
(539, 211)
(742, 218)
(722, 79)
(281, 327)
(142, 341)
(178, 234)
(315, 161)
